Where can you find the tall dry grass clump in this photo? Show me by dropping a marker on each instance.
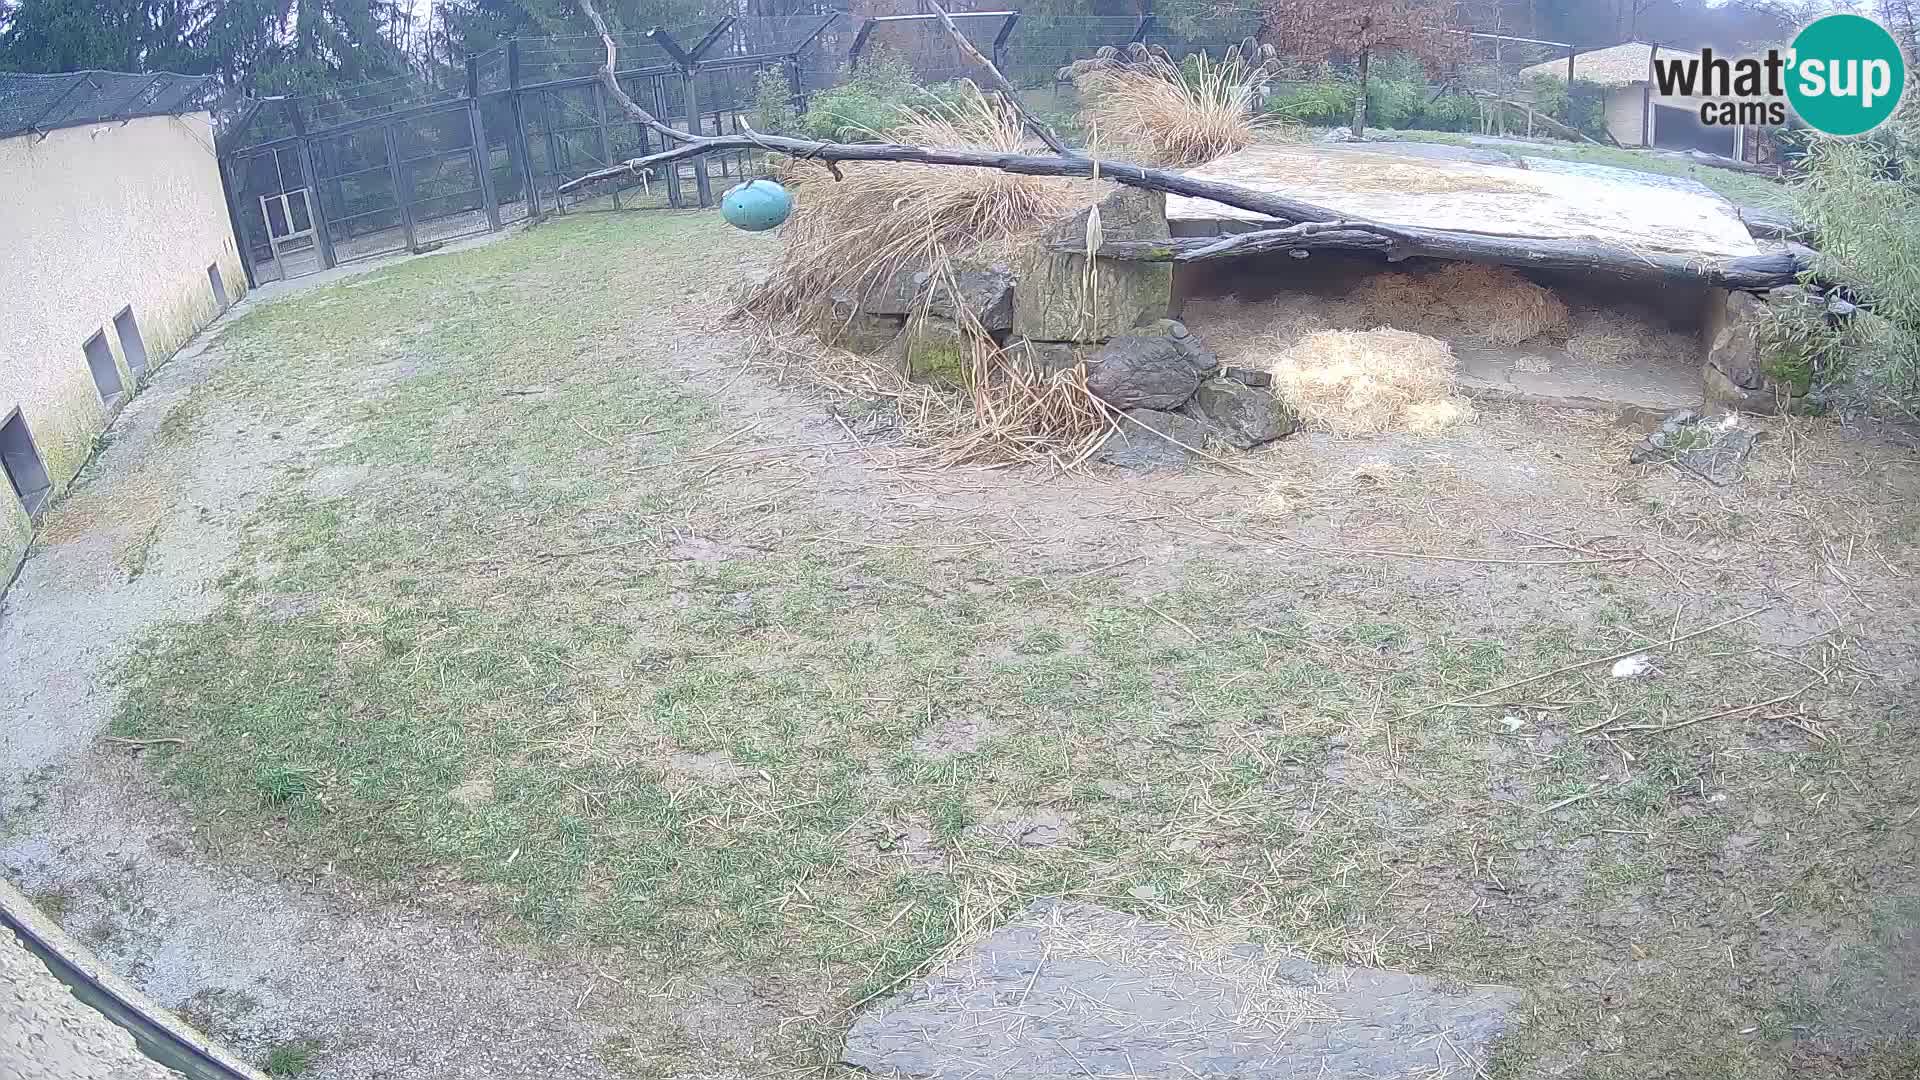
(1365, 382)
(1175, 114)
(847, 235)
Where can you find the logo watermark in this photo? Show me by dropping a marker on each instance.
(1844, 75)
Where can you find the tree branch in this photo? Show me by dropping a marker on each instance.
(1754, 272)
(1000, 82)
(612, 82)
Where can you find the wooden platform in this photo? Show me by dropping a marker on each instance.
(1470, 196)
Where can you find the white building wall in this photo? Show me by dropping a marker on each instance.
(94, 219)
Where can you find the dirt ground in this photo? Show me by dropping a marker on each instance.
(480, 667)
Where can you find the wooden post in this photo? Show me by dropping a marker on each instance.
(482, 157)
(1646, 100)
(1569, 81)
(600, 133)
(399, 190)
(517, 139)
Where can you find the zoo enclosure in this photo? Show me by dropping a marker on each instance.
(402, 164)
(317, 180)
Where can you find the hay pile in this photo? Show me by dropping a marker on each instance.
(1491, 303)
(847, 236)
(1370, 381)
(1141, 99)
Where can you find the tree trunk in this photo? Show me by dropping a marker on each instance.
(1360, 103)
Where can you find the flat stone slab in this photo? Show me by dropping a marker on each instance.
(1582, 203)
(1075, 990)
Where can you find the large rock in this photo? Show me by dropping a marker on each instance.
(937, 350)
(1051, 298)
(1074, 990)
(1736, 372)
(1150, 370)
(1243, 416)
(1045, 358)
(860, 331)
(987, 291)
(1147, 438)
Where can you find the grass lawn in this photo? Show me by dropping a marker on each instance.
(1747, 190)
(573, 618)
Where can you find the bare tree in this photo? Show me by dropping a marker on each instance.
(1318, 29)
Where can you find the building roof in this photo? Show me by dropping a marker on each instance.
(43, 103)
(1616, 65)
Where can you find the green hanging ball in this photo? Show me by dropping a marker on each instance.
(756, 206)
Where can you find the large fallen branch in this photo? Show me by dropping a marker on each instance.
(1303, 226)
(1752, 272)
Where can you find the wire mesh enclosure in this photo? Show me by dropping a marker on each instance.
(403, 164)
(42, 103)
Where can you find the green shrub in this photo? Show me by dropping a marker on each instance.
(1863, 203)
(1392, 103)
(772, 112)
(868, 106)
(1327, 101)
(1451, 112)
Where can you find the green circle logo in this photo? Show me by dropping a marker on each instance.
(1846, 75)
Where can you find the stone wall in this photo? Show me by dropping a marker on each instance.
(1050, 311)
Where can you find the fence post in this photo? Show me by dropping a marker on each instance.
(792, 64)
(399, 192)
(517, 139)
(553, 149)
(600, 133)
(1570, 75)
(1000, 41)
(673, 169)
(316, 205)
(1646, 99)
(702, 184)
(482, 155)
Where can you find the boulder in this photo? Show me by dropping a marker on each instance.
(1067, 989)
(1150, 371)
(985, 290)
(1051, 298)
(1142, 440)
(860, 331)
(1048, 357)
(1249, 376)
(1243, 416)
(1735, 375)
(1196, 352)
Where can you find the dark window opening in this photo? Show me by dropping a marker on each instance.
(106, 374)
(21, 462)
(219, 287)
(132, 345)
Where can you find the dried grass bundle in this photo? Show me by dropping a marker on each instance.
(1142, 99)
(1369, 381)
(845, 236)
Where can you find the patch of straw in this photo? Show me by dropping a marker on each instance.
(1463, 300)
(1364, 382)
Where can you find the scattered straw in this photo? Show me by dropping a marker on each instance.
(1356, 383)
(1463, 300)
